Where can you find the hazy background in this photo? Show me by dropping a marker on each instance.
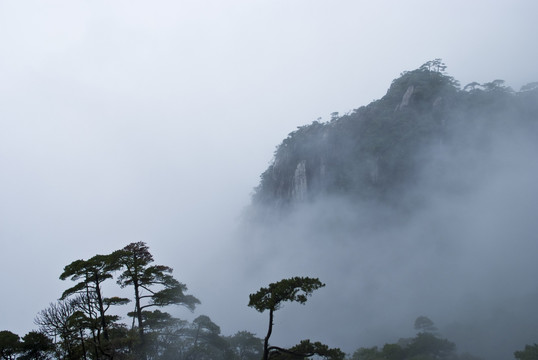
(132, 121)
(459, 247)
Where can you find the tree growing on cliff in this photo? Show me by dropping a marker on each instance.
(153, 285)
(90, 275)
(296, 289)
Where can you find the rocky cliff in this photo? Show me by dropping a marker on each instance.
(378, 150)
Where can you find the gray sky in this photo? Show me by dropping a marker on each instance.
(133, 121)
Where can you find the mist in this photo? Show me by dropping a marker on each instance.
(124, 122)
(458, 247)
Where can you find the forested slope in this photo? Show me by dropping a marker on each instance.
(376, 151)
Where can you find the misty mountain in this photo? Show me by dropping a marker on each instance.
(378, 151)
(420, 203)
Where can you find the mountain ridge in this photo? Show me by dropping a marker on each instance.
(376, 150)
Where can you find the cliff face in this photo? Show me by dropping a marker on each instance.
(377, 150)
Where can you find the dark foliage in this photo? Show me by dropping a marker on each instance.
(374, 151)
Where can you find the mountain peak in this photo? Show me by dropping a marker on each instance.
(377, 150)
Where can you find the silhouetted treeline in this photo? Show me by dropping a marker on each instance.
(82, 324)
(79, 326)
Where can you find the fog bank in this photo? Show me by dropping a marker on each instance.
(460, 248)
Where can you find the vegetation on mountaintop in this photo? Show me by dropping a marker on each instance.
(377, 150)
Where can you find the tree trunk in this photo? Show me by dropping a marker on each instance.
(266, 340)
(140, 321)
(101, 307)
(83, 344)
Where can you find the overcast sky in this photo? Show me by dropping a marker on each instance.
(124, 121)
